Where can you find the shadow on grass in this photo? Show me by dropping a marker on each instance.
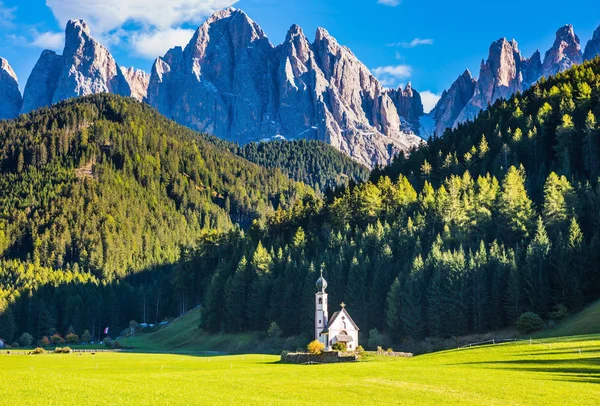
(575, 370)
(563, 352)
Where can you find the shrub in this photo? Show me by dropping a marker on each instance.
(57, 339)
(44, 342)
(108, 342)
(15, 345)
(274, 331)
(38, 350)
(360, 350)
(560, 312)
(315, 347)
(64, 350)
(72, 338)
(339, 347)
(25, 340)
(375, 338)
(529, 323)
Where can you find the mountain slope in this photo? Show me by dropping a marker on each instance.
(312, 162)
(119, 188)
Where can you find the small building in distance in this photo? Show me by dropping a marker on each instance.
(340, 328)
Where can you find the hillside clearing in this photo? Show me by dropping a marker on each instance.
(555, 371)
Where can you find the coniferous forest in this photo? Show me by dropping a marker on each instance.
(111, 213)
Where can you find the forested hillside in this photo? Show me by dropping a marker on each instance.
(313, 162)
(498, 217)
(98, 188)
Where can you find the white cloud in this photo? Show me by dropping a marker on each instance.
(397, 71)
(391, 3)
(412, 44)
(7, 15)
(146, 24)
(429, 100)
(49, 40)
(390, 76)
(150, 45)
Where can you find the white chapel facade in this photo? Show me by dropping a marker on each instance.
(339, 328)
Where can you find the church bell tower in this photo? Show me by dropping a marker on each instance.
(321, 315)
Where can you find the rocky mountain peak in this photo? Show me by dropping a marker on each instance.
(565, 52)
(453, 101)
(296, 44)
(7, 69)
(592, 49)
(10, 96)
(75, 27)
(408, 105)
(86, 67)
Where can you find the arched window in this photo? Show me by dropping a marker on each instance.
(320, 300)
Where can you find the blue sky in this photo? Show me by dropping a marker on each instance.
(427, 42)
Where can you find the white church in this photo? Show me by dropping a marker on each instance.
(340, 328)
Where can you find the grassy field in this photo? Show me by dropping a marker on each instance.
(584, 322)
(551, 372)
(184, 335)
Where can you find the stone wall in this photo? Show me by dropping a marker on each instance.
(330, 357)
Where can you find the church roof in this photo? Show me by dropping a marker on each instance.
(337, 314)
(343, 338)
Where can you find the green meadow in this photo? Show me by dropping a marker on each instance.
(551, 371)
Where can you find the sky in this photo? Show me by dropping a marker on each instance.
(428, 43)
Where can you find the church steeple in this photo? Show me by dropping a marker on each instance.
(321, 314)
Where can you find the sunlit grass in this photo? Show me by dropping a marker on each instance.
(556, 371)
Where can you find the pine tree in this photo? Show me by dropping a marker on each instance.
(537, 271)
(564, 147)
(393, 309)
(515, 207)
(591, 143)
(235, 298)
(559, 203)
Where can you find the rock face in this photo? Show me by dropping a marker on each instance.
(42, 81)
(565, 52)
(408, 105)
(501, 76)
(592, 49)
(138, 81)
(10, 96)
(231, 82)
(453, 101)
(86, 67)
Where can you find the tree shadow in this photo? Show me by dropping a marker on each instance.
(575, 370)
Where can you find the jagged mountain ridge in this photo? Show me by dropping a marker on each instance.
(297, 89)
(507, 72)
(232, 82)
